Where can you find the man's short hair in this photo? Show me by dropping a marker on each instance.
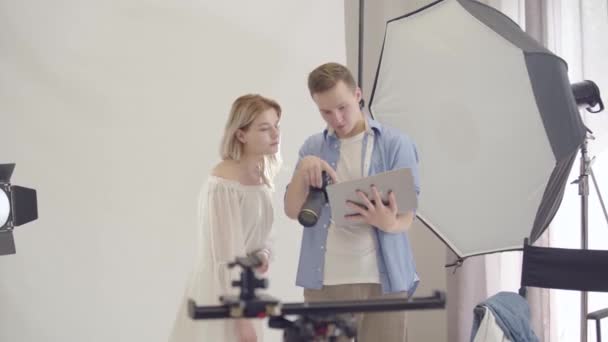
(326, 76)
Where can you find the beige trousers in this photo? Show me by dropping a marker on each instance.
(371, 327)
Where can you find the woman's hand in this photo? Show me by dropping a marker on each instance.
(245, 331)
(265, 258)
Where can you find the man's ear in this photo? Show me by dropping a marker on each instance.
(240, 135)
(358, 94)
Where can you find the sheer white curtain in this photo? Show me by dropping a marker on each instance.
(575, 30)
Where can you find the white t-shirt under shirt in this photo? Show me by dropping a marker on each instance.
(351, 251)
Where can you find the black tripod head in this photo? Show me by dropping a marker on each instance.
(248, 282)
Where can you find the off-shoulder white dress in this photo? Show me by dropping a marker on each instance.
(235, 220)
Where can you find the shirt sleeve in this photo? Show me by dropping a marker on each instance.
(405, 155)
(226, 241)
(303, 152)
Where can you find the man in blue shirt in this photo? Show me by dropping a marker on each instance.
(371, 258)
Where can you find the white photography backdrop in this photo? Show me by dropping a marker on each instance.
(113, 111)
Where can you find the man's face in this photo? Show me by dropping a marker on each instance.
(339, 107)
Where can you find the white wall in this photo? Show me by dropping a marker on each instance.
(113, 111)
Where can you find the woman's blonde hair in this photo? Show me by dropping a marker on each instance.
(244, 111)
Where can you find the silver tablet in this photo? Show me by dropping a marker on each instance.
(400, 181)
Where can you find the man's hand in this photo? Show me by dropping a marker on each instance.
(308, 174)
(310, 171)
(377, 214)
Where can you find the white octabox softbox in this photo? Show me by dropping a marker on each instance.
(494, 119)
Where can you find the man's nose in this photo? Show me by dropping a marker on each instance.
(339, 117)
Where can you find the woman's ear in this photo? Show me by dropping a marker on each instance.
(240, 135)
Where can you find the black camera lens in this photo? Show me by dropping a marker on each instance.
(311, 210)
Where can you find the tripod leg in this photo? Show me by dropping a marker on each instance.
(599, 194)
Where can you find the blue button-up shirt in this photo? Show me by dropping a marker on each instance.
(391, 150)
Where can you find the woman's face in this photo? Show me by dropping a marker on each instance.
(263, 136)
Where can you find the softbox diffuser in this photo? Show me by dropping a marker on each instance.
(493, 116)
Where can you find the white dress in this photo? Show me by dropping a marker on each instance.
(235, 220)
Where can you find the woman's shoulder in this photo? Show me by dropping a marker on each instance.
(227, 173)
(226, 169)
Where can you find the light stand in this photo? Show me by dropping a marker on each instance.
(587, 94)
